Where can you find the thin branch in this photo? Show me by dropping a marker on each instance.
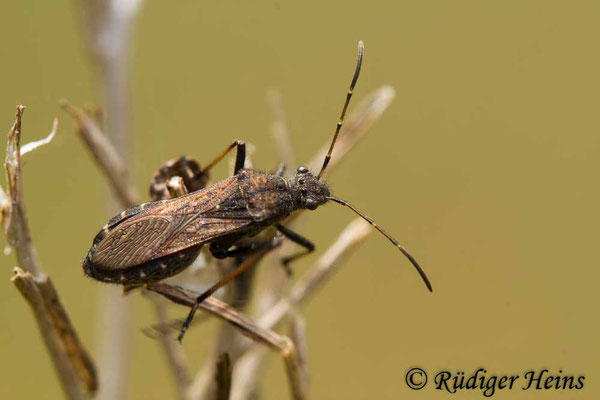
(280, 131)
(354, 234)
(4, 213)
(17, 232)
(228, 339)
(115, 170)
(109, 25)
(115, 310)
(173, 351)
(69, 338)
(105, 154)
(298, 337)
(223, 377)
(271, 339)
(248, 366)
(358, 123)
(72, 363)
(28, 147)
(74, 367)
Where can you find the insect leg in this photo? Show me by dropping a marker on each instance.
(240, 158)
(185, 167)
(249, 262)
(244, 250)
(298, 239)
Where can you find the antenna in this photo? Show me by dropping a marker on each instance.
(391, 239)
(361, 50)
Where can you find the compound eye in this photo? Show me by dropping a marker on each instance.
(311, 204)
(302, 170)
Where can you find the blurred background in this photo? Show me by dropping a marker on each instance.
(484, 166)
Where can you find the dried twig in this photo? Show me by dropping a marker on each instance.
(228, 339)
(248, 366)
(298, 337)
(354, 234)
(173, 351)
(109, 27)
(115, 170)
(273, 340)
(74, 367)
(105, 155)
(223, 377)
(357, 124)
(28, 147)
(280, 131)
(115, 310)
(17, 226)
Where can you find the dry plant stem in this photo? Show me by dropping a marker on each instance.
(223, 377)
(298, 337)
(280, 130)
(358, 122)
(62, 324)
(278, 279)
(115, 309)
(281, 344)
(109, 27)
(74, 367)
(17, 230)
(228, 339)
(71, 382)
(173, 351)
(248, 367)
(114, 168)
(105, 155)
(357, 125)
(354, 234)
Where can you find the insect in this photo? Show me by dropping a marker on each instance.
(156, 240)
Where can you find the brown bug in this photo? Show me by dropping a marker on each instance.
(156, 240)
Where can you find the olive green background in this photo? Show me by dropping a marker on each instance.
(486, 167)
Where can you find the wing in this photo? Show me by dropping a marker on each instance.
(164, 228)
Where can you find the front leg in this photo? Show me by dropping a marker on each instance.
(243, 250)
(256, 252)
(298, 239)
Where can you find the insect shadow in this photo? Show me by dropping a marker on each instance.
(156, 240)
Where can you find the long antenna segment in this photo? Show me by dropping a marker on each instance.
(361, 51)
(391, 239)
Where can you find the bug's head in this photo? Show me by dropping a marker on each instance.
(310, 191)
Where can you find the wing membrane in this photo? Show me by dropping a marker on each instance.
(173, 225)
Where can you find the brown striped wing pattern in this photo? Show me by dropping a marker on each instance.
(171, 226)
